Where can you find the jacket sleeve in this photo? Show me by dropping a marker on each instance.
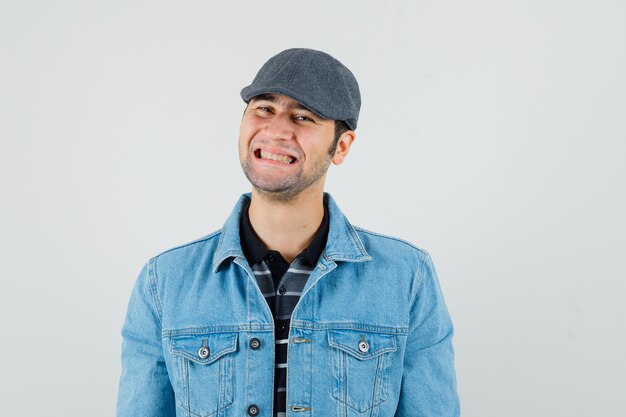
(428, 381)
(144, 388)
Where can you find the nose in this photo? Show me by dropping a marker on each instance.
(279, 128)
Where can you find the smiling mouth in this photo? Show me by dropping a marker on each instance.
(285, 159)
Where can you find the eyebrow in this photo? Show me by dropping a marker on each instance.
(272, 99)
(265, 97)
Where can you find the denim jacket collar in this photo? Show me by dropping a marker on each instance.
(343, 242)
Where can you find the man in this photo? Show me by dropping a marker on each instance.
(289, 309)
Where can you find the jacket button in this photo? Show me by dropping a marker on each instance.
(255, 343)
(364, 346)
(204, 352)
(282, 290)
(253, 410)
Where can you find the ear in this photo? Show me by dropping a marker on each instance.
(343, 146)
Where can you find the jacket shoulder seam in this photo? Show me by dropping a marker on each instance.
(424, 252)
(193, 242)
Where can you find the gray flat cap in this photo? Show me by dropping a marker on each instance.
(315, 79)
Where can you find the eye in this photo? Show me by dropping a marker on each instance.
(303, 118)
(263, 111)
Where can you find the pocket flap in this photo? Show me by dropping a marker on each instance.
(204, 348)
(351, 341)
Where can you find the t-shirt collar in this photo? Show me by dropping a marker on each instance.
(254, 250)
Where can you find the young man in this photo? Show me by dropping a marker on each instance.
(289, 309)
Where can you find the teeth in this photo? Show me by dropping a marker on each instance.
(281, 158)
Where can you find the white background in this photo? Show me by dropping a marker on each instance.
(491, 134)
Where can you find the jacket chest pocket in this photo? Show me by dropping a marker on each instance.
(204, 371)
(359, 362)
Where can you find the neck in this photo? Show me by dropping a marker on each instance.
(287, 227)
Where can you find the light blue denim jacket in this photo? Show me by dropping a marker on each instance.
(370, 335)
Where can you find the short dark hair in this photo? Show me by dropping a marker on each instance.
(341, 127)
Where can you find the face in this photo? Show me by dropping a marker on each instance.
(284, 148)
